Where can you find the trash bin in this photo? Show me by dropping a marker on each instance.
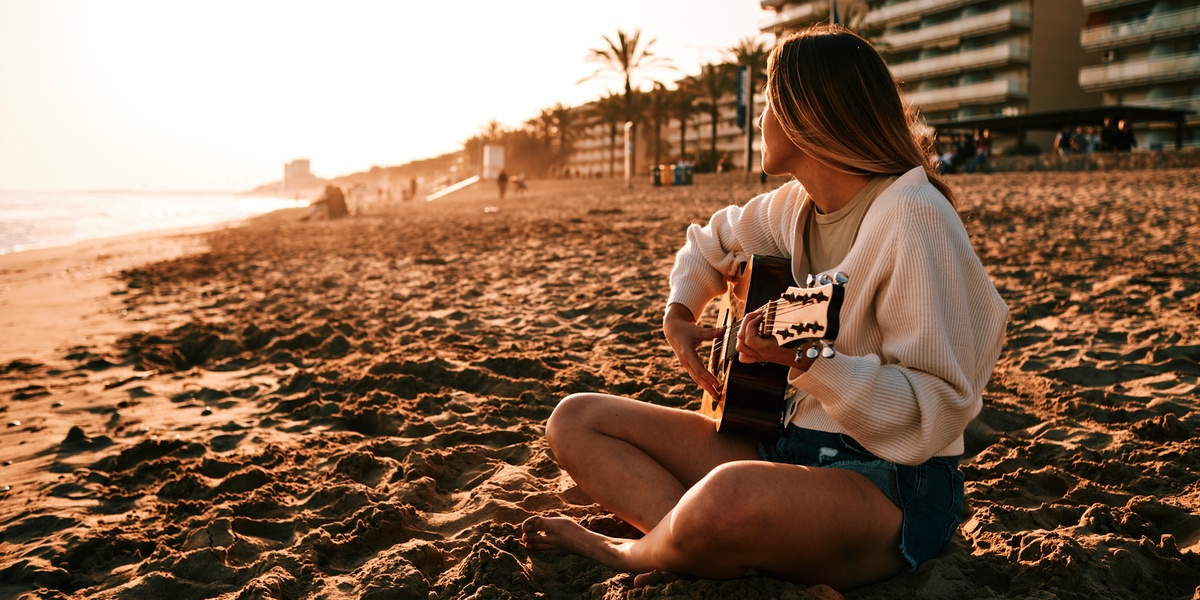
(678, 171)
(687, 174)
(669, 175)
(656, 174)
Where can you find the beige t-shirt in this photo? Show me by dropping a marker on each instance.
(826, 239)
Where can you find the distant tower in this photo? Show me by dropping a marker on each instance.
(296, 175)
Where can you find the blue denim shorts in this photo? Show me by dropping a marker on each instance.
(930, 494)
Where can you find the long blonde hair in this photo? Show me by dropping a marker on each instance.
(837, 101)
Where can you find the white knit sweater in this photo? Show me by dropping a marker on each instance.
(921, 326)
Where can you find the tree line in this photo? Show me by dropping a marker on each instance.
(542, 146)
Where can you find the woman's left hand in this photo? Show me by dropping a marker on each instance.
(753, 347)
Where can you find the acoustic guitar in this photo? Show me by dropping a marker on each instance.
(753, 394)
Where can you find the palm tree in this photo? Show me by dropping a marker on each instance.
(715, 82)
(566, 126)
(658, 110)
(683, 108)
(627, 57)
(610, 110)
(543, 126)
(752, 54)
(493, 131)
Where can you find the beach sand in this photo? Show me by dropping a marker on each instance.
(355, 409)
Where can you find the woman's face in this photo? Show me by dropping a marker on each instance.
(778, 151)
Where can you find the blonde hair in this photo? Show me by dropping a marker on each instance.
(837, 101)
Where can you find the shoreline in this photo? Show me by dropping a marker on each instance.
(52, 296)
(39, 220)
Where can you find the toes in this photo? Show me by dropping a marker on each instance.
(530, 525)
(655, 578)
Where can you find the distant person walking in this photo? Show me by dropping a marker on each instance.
(502, 182)
(1062, 141)
(983, 150)
(1125, 140)
(1108, 136)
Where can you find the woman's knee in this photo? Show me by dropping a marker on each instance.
(573, 413)
(716, 511)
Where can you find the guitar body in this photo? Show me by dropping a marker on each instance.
(752, 393)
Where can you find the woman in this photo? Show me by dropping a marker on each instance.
(863, 482)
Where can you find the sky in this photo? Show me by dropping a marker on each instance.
(178, 95)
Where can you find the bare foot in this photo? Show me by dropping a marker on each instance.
(560, 533)
(656, 578)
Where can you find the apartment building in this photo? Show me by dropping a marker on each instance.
(785, 16)
(595, 153)
(297, 175)
(963, 60)
(1148, 55)
(959, 60)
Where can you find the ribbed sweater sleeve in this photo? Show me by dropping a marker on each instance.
(925, 327)
(713, 253)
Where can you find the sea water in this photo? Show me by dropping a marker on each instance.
(31, 220)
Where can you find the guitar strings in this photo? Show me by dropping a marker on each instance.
(734, 328)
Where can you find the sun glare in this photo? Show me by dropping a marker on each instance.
(218, 95)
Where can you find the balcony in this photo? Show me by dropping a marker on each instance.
(800, 14)
(992, 22)
(911, 10)
(993, 56)
(1140, 72)
(1155, 27)
(1094, 5)
(987, 92)
(1189, 103)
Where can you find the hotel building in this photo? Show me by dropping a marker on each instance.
(961, 60)
(1148, 55)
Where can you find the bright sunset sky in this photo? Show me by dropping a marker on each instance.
(217, 95)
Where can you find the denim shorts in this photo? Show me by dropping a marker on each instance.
(930, 495)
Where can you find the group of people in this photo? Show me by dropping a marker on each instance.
(965, 153)
(1083, 140)
(860, 479)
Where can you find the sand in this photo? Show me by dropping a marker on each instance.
(354, 409)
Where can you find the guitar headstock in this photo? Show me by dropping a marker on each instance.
(807, 313)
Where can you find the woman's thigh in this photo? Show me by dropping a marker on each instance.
(806, 524)
(683, 442)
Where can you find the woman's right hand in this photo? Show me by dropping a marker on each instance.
(685, 336)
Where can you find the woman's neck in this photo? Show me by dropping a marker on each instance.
(831, 189)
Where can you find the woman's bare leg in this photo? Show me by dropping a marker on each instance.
(634, 458)
(808, 525)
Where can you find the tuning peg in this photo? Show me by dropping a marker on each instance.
(841, 278)
(811, 281)
(827, 350)
(812, 352)
(825, 279)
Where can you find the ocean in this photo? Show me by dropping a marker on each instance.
(30, 220)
